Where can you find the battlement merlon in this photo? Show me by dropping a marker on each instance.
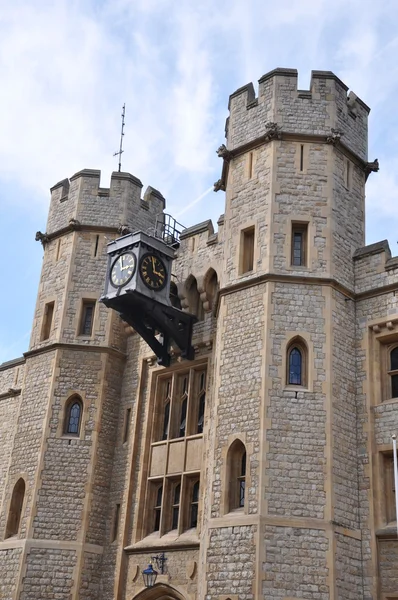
(81, 201)
(325, 106)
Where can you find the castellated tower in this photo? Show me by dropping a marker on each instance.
(74, 367)
(259, 470)
(294, 216)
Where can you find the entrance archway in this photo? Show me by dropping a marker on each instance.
(160, 591)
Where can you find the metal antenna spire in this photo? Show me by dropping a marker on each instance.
(121, 140)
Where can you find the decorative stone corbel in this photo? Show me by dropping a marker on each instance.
(124, 229)
(272, 131)
(42, 237)
(334, 137)
(219, 185)
(223, 152)
(371, 167)
(74, 224)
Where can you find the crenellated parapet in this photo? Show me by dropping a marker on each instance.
(326, 106)
(81, 199)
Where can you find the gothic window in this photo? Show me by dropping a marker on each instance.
(193, 517)
(87, 317)
(297, 363)
(299, 244)
(15, 511)
(73, 415)
(393, 372)
(172, 492)
(236, 476)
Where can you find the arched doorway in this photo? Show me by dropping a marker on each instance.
(159, 591)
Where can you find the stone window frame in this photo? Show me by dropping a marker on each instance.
(85, 301)
(230, 476)
(302, 342)
(247, 250)
(154, 436)
(66, 401)
(302, 230)
(383, 338)
(46, 328)
(70, 403)
(300, 221)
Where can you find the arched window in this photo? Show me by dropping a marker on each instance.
(393, 372)
(193, 518)
(297, 363)
(195, 305)
(176, 506)
(73, 415)
(236, 476)
(15, 512)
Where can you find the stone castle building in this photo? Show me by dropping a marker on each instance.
(262, 469)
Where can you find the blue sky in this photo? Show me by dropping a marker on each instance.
(66, 68)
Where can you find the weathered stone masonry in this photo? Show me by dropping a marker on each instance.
(313, 524)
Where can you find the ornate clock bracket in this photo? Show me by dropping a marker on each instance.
(152, 318)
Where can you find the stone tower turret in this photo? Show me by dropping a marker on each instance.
(76, 355)
(294, 174)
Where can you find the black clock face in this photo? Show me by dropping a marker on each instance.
(123, 269)
(153, 272)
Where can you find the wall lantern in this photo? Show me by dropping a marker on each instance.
(149, 575)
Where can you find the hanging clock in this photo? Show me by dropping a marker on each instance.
(123, 269)
(153, 272)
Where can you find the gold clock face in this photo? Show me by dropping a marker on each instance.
(153, 272)
(123, 269)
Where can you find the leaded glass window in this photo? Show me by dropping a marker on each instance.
(295, 367)
(73, 417)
